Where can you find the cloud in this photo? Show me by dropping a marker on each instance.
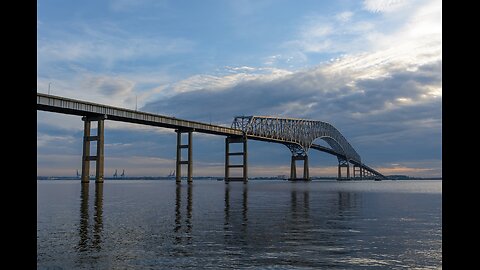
(236, 75)
(344, 16)
(130, 5)
(420, 169)
(383, 5)
(400, 109)
(65, 123)
(108, 50)
(318, 89)
(332, 34)
(44, 140)
(104, 45)
(292, 60)
(104, 63)
(412, 27)
(51, 142)
(58, 164)
(118, 144)
(109, 86)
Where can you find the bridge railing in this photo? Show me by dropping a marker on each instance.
(84, 108)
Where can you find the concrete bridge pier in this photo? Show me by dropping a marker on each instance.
(244, 153)
(342, 163)
(99, 157)
(367, 174)
(298, 153)
(180, 162)
(293, 168)
(357, 172)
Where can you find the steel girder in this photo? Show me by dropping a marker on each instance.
(296, 149)
(296, 131)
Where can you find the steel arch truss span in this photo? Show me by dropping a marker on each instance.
(299, 132)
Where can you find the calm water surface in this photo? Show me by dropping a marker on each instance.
(260, 225)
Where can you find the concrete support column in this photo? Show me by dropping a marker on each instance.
(357, 172)
(100, 155)
(339, 172)
(243, 153)
(306, 175)
(227, 159)
(190, 165)
(86, 152)
(178, 173)
(178, 176)
(245, 166)
(348, 170)
(343, 163)
(293, 169)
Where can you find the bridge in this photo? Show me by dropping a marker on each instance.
(296, 134)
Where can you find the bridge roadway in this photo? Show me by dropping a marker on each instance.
(99, 112)
(83, 108)
(339, 155)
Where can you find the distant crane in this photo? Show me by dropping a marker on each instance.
(123, 173)
(78, 175)
(115, 174)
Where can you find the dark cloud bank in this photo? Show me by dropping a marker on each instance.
(387, 119)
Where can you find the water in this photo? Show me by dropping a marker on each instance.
(261, 225)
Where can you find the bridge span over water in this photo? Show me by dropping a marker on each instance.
(296, 134)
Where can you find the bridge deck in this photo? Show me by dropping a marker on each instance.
(83, 108)
(331, 151)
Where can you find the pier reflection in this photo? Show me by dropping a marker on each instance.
(83, 229)
(90, 238)
(300, 204)
(98, 217)
(347, 201)
(244, 203)
(182, 229)
(236, 213)
(299, 224)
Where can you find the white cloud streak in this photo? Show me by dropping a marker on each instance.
(109, 49)
(129, 5)
(385, 6)
(344, 16)
(221, 82)
(46, 139)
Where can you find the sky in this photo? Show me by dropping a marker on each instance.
(371, 68)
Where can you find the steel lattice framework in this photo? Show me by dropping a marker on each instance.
(292, 131)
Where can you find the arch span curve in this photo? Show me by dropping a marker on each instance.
(295, 131)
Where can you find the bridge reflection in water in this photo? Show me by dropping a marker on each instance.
(158, 224)
(86, 241)
(236, 214)
(247, 230)
(183, 228)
